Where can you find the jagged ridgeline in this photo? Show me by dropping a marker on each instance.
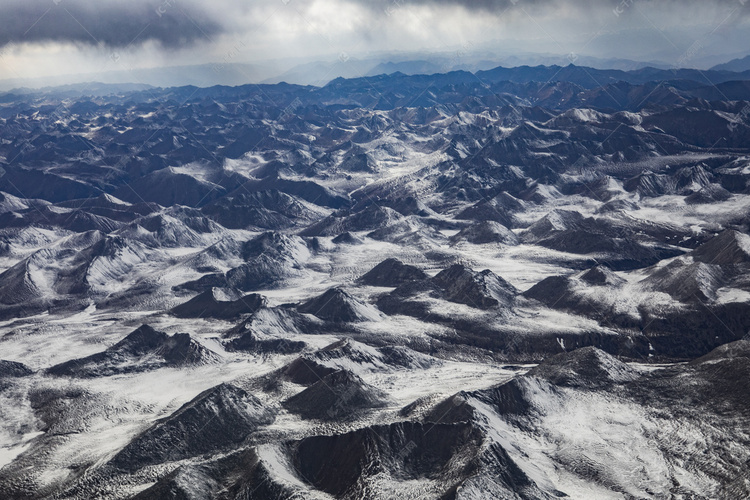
(525, 283)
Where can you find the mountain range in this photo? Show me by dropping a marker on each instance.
(522, 283)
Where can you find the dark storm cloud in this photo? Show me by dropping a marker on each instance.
(114, 23)
(180, 23)
(496, 6)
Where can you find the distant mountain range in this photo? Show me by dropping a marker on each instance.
(741, 64)
(583, 76)
(343, 65)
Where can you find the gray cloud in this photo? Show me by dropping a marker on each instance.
(176, 23)
(282, 34)
(114, 23)
(738, 8)
(494, 5)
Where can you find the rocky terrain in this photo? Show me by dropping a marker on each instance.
(525, 283)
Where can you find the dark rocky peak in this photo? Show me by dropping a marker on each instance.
(514, 397)
(603, 188)
(392, 272)
(509, 202)
(102, 201)
(376, 122)
(587, 367)
(193, 218)
(688, 282)
(163, 230)
(143, 349)
(227, 476)
(691, 179)
(218, 418)
(453, 409)
(728, 247)
(89, 239)
(650, 184)
(155, 222)
(168, 187)
(404, 357)
(601, 276)
(357, 162)
(542, 192)
(110, 246)
(716, 383)
(557, 220)
(271, 259)
(338, 395)
(487, 210)
(274, 243)
(250, 341)
(711, 193)
(486, 232)
(347, 238)
(618, 206)
(187, 481)
(370, 218)
(182, 350)
(613, 240)
(738, 350)
(65, 218)
(550, 290)
(270, 209)
(410, 231)
(306, 190)
(482, 289)
(281, 321)
(141, 341)
(305, 371)
(272, 199)
(347, 465)
(576, 117)
(264, 271)
(337, 305)
(226, 248)
(220, 303)
(507, 398)
(501, 477)
(408, 205)
(348, 350)
(13, 369)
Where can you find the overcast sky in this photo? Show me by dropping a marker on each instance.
(48, 37)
